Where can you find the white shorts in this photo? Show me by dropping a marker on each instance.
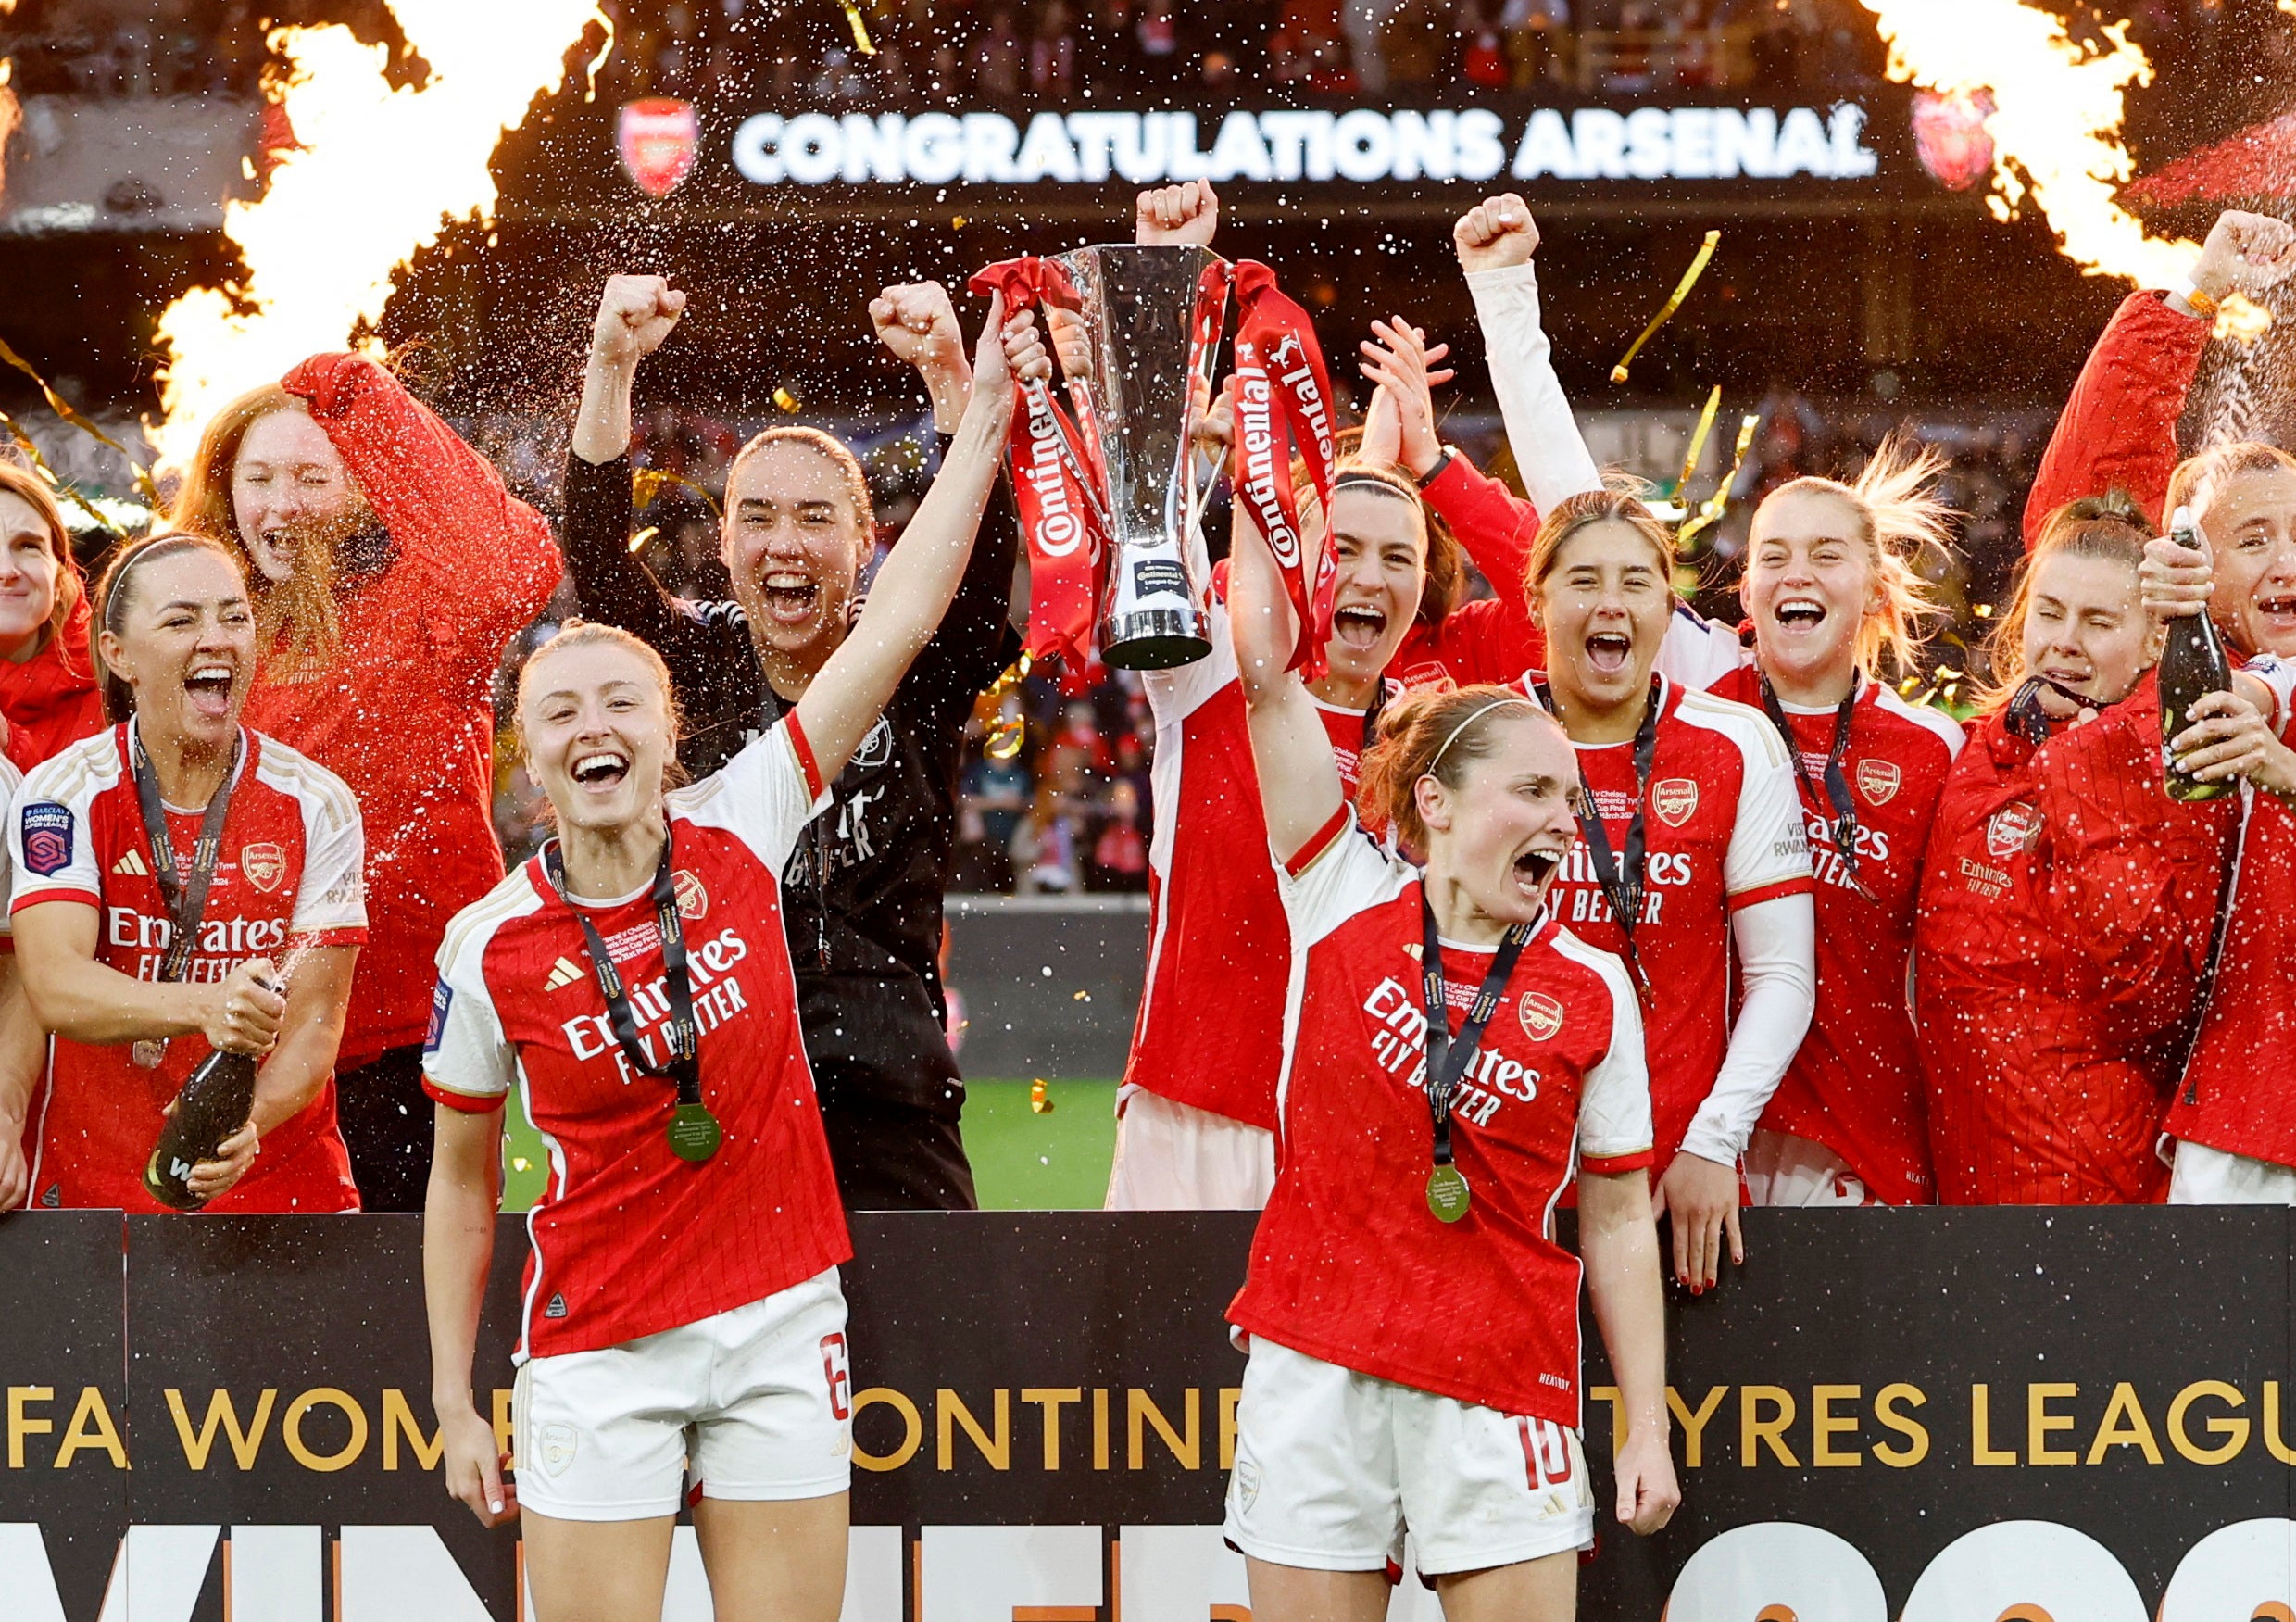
(758, 1400)
(1176, 1157)
(1781, 1169)
(2201, 1176)
(1331, 1467)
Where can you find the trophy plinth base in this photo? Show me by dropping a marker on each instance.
(1152, 638)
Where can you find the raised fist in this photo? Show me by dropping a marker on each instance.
(2244, 253)
(916, 322)
(1185, 213)
(1496, 234)
(635, 314)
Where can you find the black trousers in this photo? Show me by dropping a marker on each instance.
(894, 1156)
(386, 1117)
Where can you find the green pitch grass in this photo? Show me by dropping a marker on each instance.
(1021, 1161)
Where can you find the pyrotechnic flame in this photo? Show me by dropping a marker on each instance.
(377, 173)
(2055, 125)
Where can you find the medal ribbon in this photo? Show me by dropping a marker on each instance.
(1844, 830)
(186, 902)
(1448, 1062)
(1623, 890)
(1059, 485)
(1282, 408)
(684, 1066)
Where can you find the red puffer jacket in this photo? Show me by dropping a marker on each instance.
(2063, 923)
(50, 701)
(406, 714)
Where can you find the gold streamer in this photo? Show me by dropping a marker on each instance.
(1697, 441)
(1040, 1096)
(860, 29)
(1005, 738)
(647, 483)
(48, 475)
(1682, 291)
(785, 398)
(64, 409)
(1716, 504)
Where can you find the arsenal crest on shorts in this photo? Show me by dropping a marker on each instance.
(656, 136)
(1674, 799)
(263, 866)
(1877, 780)
(1541, 1015)
(2013, 828)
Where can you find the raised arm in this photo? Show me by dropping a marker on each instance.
(82, 1000)
(1299, 788)
(918, 581)
(1495, 241)
(2118, 430)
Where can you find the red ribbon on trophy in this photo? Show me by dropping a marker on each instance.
(1282, 408)
(1061, 486)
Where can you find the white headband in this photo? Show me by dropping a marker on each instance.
(1479, 714)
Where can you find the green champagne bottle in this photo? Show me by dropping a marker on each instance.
(2194, 663)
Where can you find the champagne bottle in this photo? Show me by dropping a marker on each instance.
(214, 1103)
(2192, 663)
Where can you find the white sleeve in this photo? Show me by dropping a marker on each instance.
(1698, 652)
(51, 848)
(1776, 943)
(1335, 875)
(1174, 695)
(331, 895)
(466, 1057)
(1769, 843)
(1548, 452)
(2279, 674)
(1614, 1105)
(766, 794)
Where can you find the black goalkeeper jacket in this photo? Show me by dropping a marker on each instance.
(863, 895)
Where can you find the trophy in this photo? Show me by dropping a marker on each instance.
(1149, 321)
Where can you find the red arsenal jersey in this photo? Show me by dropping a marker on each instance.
(1720, 831)
(1210, 1028)
(627, 1239)
(287, 875)
(1855, 1083)
(2063, 926)
(1348, 1263)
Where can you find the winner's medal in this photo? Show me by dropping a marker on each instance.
(149, 1053)
(1447, 1193)
(694, 1133)
(1447, 1196)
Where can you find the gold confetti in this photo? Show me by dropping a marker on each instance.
(64, 409)
(786, 399)
(519, 1162)
(1716, 504)
(1081, 996)
(1006, 734)
(1682, 291)
(1040, 1096)
(1983, 610)
(860, 29)
(637, 542)
(1698, 439)
(647, 483)
(958, 222)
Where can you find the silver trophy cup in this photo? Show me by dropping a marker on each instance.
(1151, 320)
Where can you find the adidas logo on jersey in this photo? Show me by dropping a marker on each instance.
(557, 1308)
(563, 973)
(131, 865)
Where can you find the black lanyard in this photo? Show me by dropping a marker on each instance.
(1622, 889)
(186, 900)
(2027, 719)
(1448, 1062)
(1845, 826)
(691, 1121)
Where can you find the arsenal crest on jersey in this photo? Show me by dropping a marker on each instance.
(2014, 828)
(1878, 780)
(693, 899)
(656, 136)
(1674, 799)
(263, 866)
(1541, 1015)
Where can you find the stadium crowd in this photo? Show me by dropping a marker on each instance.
(1507, 858)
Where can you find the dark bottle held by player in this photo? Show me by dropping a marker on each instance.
(2193, 664)
(214, 1103)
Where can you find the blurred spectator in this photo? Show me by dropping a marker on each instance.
(1120, 854)
(1044, 850)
